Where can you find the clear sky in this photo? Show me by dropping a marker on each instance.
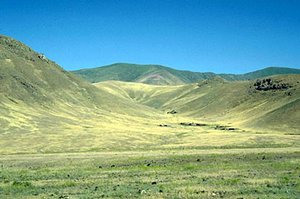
(223, 36)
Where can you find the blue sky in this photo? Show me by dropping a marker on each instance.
(223, 36)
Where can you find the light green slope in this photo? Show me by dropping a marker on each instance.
(149, 74)
(219, 101)
(161, 75)
(40, 103)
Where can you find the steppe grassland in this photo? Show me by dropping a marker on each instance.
(79, 152)
(217, 173)
(164, 162)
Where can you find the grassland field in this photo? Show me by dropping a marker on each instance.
(192, 173)
(135, 156)
(63, 137)
(165, 162)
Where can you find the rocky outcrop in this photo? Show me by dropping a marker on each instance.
(269, 84)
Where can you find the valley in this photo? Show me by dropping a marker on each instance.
(166, 134)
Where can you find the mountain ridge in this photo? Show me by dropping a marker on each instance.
(162, 75)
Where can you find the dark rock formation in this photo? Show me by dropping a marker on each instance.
(172, 112)
(192, 124)
(269, 84)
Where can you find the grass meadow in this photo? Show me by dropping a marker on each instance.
(189, 173)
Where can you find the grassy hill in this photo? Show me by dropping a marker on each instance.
(41, 102)
(150, 74)
(235, 103)
(269, 71)
(30, 78)
(161, 75)
(62, 137)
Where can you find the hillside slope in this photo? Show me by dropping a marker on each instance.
(41, 102)
(150, 74)
(269, 71)
(161, 75)
(237, 103)
(45, 109)
(31, 78)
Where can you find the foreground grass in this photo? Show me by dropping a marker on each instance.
(220, 173)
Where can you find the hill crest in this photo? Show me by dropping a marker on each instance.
(162, 75)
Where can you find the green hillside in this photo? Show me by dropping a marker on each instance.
(261, 73)
(150, 74)
(161, 75)
(235, 103)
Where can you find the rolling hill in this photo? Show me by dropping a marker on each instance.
(41, 102)
(215, 100)
(269, 71)
(161, 75)
(45, 109)
(30, 78)
(150, 74)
